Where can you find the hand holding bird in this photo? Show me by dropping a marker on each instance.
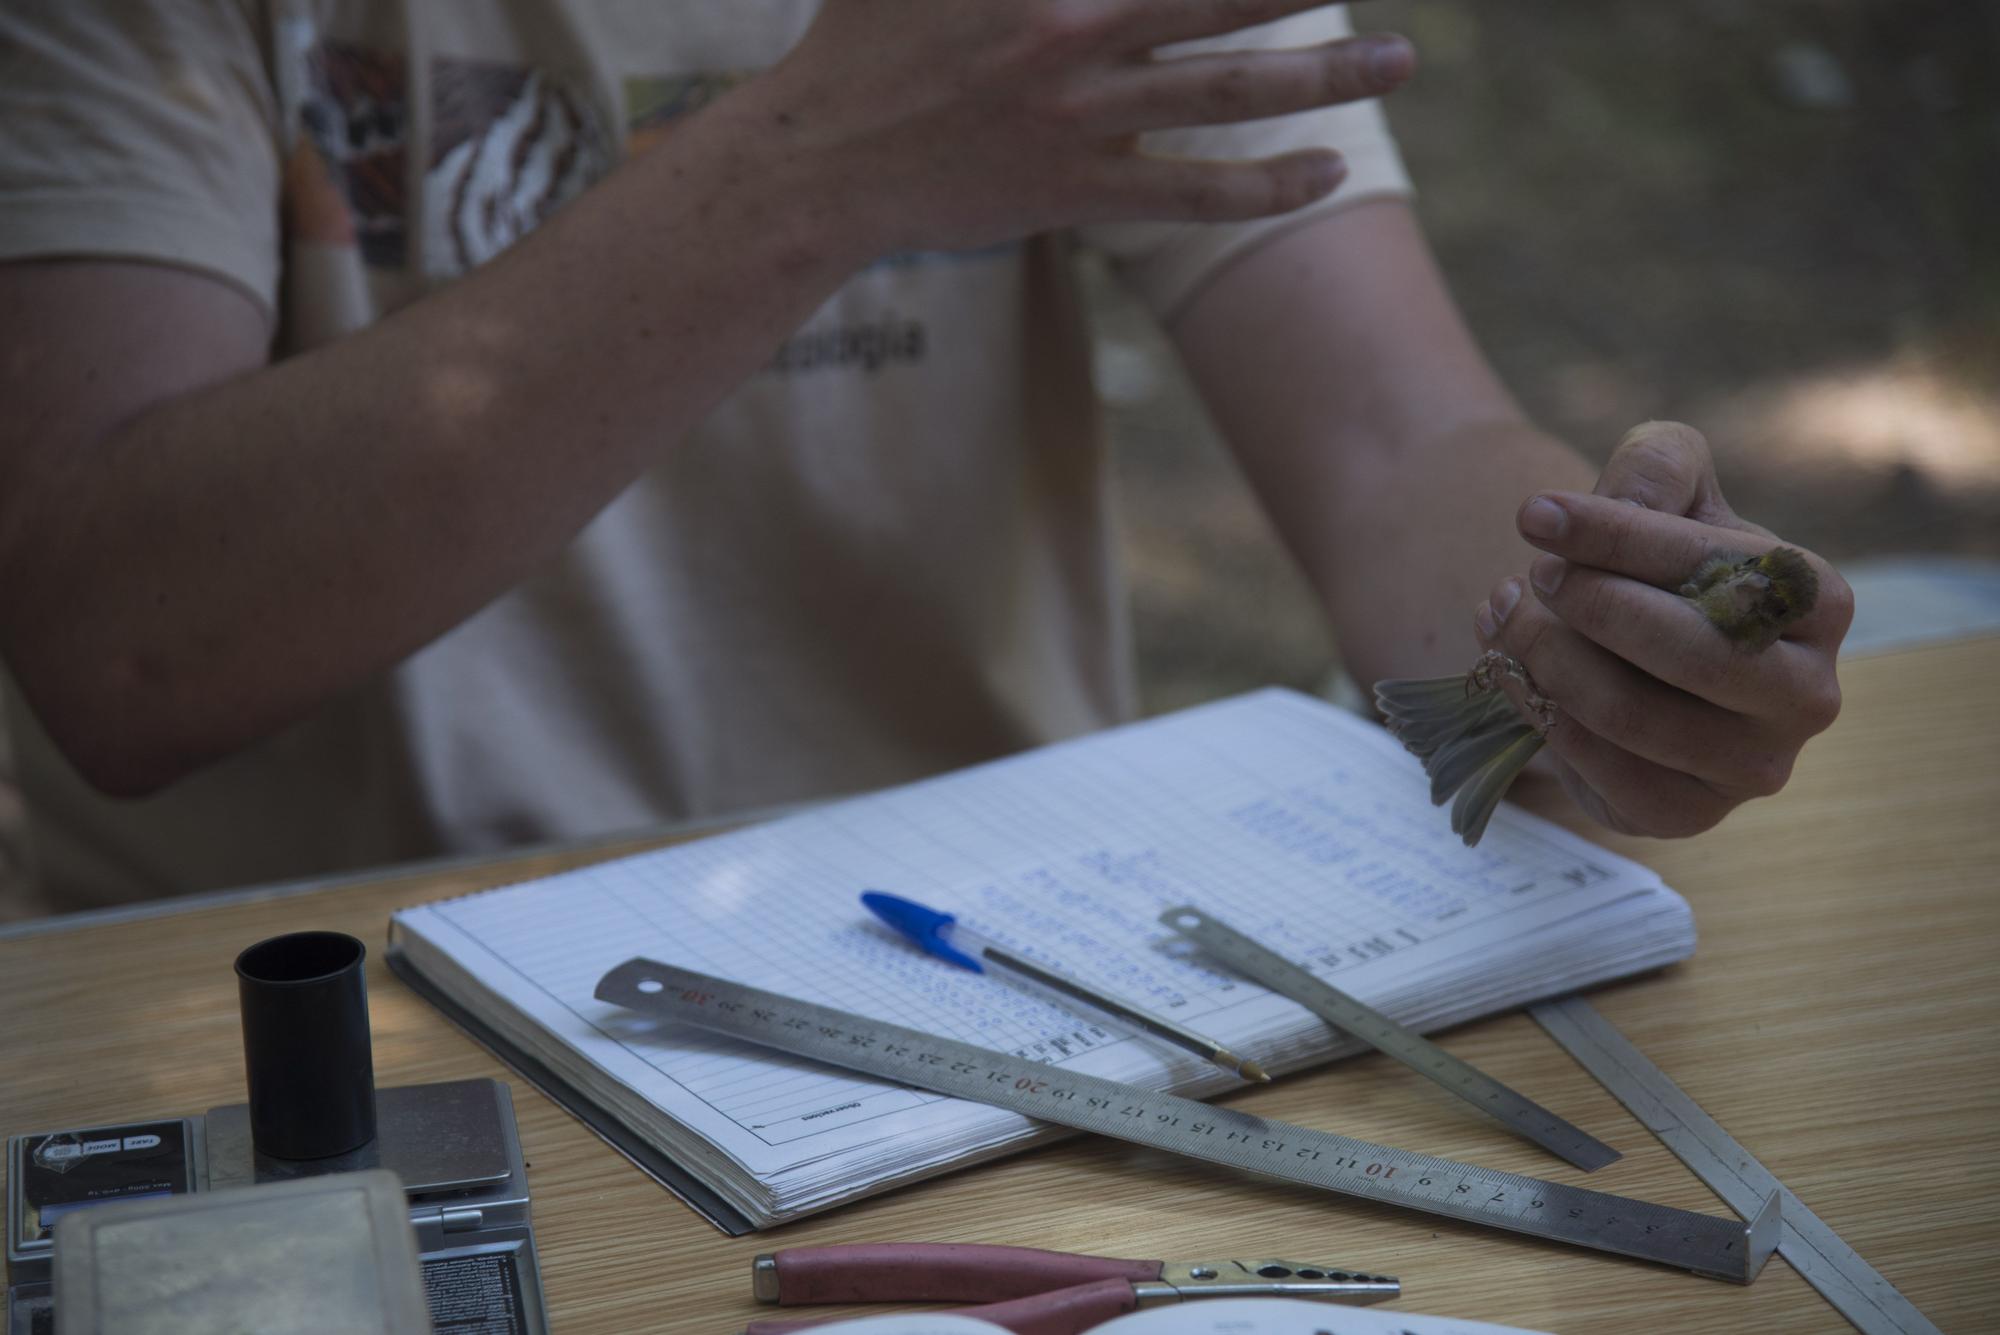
(1661, 721)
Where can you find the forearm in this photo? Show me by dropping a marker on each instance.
(1390, 458)
(228, 559)
(1410, 556)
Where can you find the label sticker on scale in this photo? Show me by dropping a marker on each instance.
(475, 1294)
(72, 1170)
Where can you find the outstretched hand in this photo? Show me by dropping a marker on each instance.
(957, 125)
(1663, 725)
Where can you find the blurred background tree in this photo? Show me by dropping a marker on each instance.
(1778, 220)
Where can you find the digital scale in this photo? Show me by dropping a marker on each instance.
(260, 1213)
(453, 1145)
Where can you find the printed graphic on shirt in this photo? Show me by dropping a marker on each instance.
(350, 191)
(509, 147)
(868, 347)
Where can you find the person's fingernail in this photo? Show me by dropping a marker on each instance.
(1391, 60)
(1547, 573)
(1504, 598)
(1328, 171)
(1543, 518)
(1483, 620)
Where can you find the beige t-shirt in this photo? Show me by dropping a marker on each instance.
(888, 553)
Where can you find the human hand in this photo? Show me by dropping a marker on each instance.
(1662, 724)
(949, 126)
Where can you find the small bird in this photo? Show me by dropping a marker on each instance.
(1473, 741)
(1751, 599)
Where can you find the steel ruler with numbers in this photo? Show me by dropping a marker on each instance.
(1707, 1245)
(1856, 1289)
(1273, 972)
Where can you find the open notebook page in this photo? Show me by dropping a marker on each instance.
(1282, 815)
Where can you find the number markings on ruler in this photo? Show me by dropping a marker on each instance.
(1275, 973)
(1856, 1289)
(1705, 1244)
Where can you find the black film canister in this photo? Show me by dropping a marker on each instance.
(305, 1045)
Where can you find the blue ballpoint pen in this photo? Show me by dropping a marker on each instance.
(942, 935)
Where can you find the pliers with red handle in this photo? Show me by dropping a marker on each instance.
(1029, 1291)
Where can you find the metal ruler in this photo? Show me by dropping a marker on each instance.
(1718, 1248)
(1273, 971)
(1856, 1289)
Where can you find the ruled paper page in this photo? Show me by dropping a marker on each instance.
(1280, 814)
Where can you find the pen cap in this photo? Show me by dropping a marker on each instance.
(924, 927)
(305, 1045)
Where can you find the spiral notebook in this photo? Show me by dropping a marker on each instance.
(1291, 819)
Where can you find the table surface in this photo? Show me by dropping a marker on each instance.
(1839, 1018)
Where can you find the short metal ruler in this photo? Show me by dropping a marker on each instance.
(1273, 972)
(1718, 1248)
(1856, 1289)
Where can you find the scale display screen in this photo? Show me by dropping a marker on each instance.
(65, 1171)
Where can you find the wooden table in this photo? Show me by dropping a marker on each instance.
(1840, 1019)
